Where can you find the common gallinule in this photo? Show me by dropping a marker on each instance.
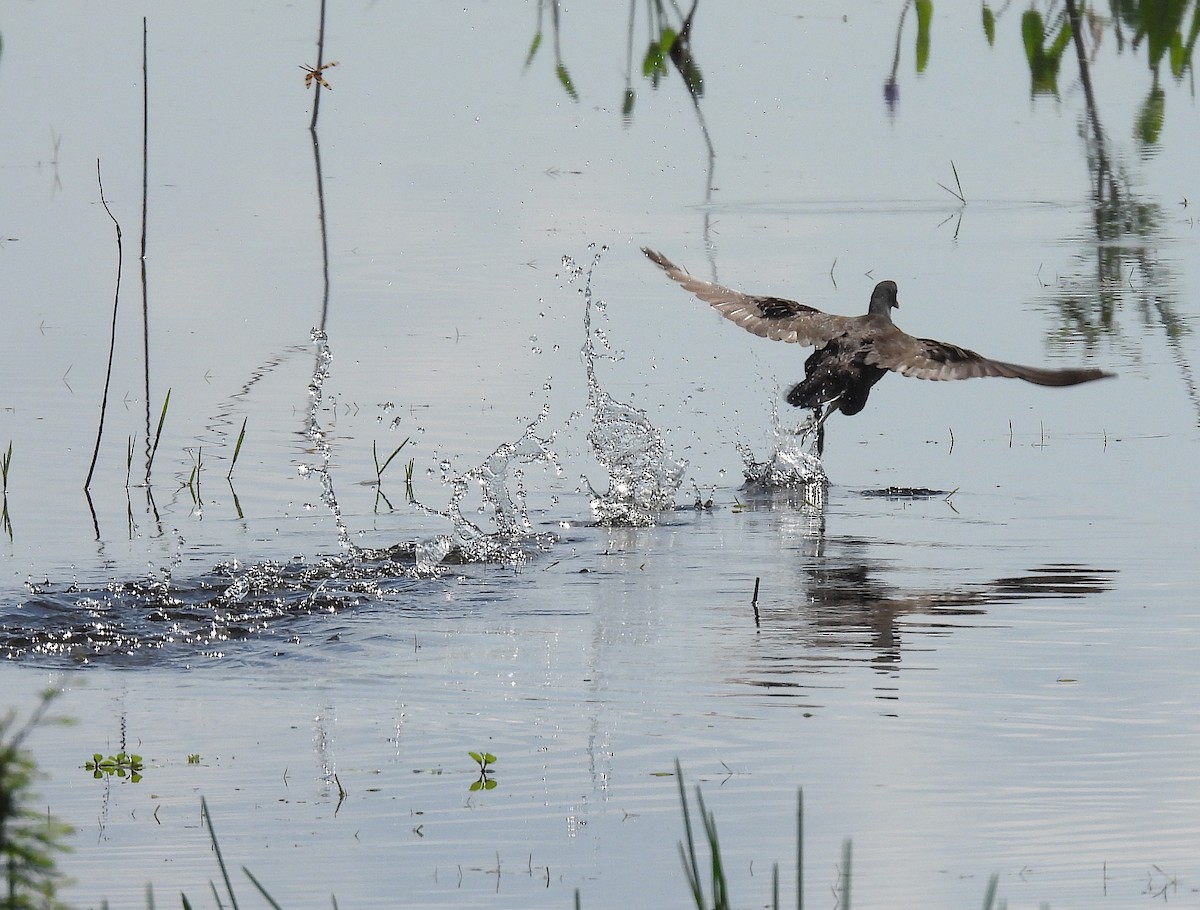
(854, 352)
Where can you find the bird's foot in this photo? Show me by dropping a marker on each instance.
(813, 428)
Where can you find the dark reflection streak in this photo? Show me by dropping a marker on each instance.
(1102, 167)
(681, 59)
(316, 145)
(891, 93)
(87, 495)
(153, 506)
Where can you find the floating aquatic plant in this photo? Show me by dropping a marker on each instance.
(122, 765)
(485, 760)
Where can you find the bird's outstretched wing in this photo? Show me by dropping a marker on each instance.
(770, 317)
(924, 358)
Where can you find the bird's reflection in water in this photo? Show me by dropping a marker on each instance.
(841, 609)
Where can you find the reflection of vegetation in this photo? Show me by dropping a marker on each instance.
(665, 42)
(560, 68)
(5, 463)
(1043, 58)
(891, 87)
(1157, 25)
(29, 839)
(379, 469)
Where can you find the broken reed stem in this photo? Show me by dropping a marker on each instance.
(754, 602)
(959, 195)
(112, 343)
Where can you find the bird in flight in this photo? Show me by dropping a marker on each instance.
(855, 352)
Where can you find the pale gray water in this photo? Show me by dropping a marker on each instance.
(1002, 682)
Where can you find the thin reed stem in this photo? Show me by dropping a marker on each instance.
(112, 342)
(320, 60)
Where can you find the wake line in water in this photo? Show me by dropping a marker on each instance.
(156, 617)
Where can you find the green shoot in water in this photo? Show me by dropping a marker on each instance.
(485, 760)
(237, 448)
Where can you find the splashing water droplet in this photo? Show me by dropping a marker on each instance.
(643, 475)
(790, 464)
(513, 536)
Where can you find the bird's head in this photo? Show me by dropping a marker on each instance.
(883, 298)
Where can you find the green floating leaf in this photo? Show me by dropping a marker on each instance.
(488, 757)
(924, 17)
(478, 758)
(989, 25)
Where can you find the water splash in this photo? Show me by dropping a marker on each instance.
(791, 463)
(643, 476)
(513, 539)
(315, 432)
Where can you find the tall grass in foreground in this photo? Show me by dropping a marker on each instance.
(30, 840)
(719, 886)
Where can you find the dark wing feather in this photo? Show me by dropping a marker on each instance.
(924, 358)
(770, 317)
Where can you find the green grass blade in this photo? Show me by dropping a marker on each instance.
(691, 868)
(720, 885)
(237, 448)
(378, 469)
(846, 850)
(263, 891)
(800, 849)
(989, 896)
(162, 418)
(217, 850)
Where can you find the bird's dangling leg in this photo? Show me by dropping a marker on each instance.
(820, 427)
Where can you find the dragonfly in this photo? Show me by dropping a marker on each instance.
(313, 74)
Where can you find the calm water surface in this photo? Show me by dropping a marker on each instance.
(999, 678)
